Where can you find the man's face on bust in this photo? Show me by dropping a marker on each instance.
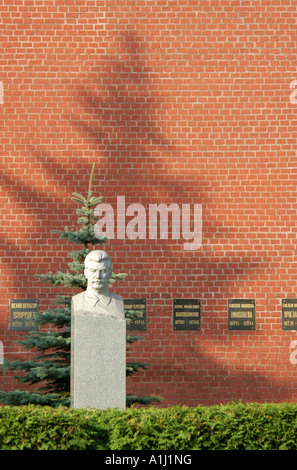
(98, 275)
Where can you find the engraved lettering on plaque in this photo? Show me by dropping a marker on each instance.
(186, 314)
(289, 314)
(241, 314)
(135, 312)
(22, 313)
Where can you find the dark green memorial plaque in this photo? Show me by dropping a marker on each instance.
(138, 306)
(22, 313)
(241, 314)
(186, 314)
(289, 314)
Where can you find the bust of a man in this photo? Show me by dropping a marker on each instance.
(97, 299)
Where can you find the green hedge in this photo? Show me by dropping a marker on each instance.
(235, 426)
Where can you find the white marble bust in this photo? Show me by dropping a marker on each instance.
(97, 299)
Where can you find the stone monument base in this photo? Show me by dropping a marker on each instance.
(98, 361)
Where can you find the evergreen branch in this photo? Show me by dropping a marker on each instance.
(94, 201)
(79, 197)
(132, 399)
(132, 339)
(65, 279)
(45, 340)
(63, 299)
(59, 317)
(132, 367)
(25, 398)
(79, 255)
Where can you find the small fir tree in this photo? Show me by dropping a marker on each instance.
(50, 367)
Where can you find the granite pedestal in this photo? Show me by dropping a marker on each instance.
(98, 361)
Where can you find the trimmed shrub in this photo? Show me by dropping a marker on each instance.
(44, 428)
(235, 426)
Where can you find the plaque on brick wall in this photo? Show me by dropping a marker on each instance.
(289, 314)
(186, 314)
(137, 309)
(22, 313)
(241, 314)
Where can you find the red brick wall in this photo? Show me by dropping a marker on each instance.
(176, 102)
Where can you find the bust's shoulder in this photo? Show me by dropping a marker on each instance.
(117, 297)
(78, 298)
(117, 305)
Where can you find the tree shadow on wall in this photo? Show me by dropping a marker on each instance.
(124, 113)
(124, 109)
